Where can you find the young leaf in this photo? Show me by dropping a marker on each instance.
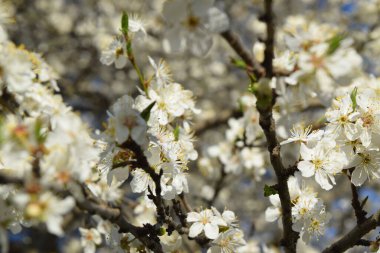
(269, 190)
(176, 133)
(146, 113)
(38, 132)
(353, 98)
(334, 43)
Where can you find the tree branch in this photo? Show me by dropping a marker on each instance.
(252, 65)
(218, 187)
(359, 212)
(354, 236)
(267, 123)
(148, 235)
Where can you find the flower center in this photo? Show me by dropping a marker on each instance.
(63, 176)
(303, 210)
(224, 243)
(318, 163)
(366, 159)
(130, 122)
(192, 22)
(119, 51)
(343, 119)
(368, 119)
(204, 220)
(316, 61)
(35, 209)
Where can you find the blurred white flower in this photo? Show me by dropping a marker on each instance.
(192, 23)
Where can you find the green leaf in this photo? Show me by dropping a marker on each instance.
(146, 113)
(334, 43)
(353, 95)
(124, 23)
(176, 133)
(38, 132)
(238, 63)
(269, 190)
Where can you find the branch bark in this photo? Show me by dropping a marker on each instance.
(354, 236)
(267, 123)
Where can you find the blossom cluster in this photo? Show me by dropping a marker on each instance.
(241, 152)
(135, 170)
(308, 211)
(42, 141)
(221, 228)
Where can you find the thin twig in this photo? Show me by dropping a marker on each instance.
(252, 65)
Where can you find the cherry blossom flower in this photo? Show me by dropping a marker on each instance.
(205, 221)
(89, 239)
(192, 24)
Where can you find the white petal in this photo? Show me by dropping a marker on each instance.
(200, 7)
(174, 41)
(322, 180)
(53, 224)
(217, 220)
(272, 214)
(306, 153)
(193, 217)
(307, 168)
(351, 131)
(196, 229)
(200, 42)
(359, 176)
(365, 137)
(117, 176)
(217, 21)
(175, 10)
(120, 62)
(211, 231)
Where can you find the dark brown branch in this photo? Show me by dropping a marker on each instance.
(163, 212)
(359, 212)
(218, 187)
(185, 203)
(269, 42)
(363, 242)
(267, 123)
(354, 236)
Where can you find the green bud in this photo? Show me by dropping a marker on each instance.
(263, 92)
(161, 231)
(353, 95)
(124, 23)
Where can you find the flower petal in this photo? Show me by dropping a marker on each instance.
(307, 168)
(359, 176)
(196, 229)
(211, 231)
